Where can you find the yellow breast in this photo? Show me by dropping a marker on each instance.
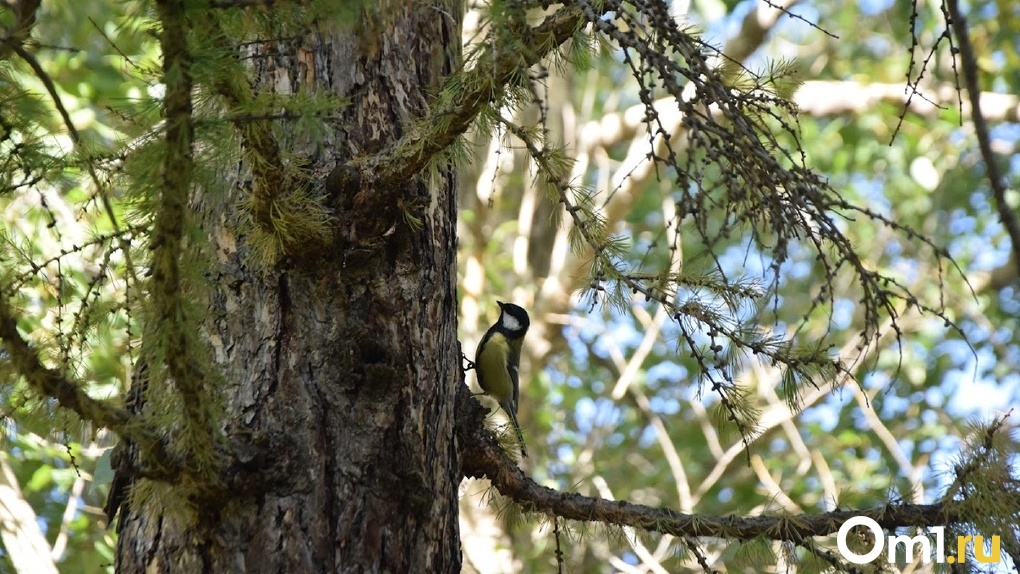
(491, 365)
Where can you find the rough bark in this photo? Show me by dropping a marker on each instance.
(339, 370)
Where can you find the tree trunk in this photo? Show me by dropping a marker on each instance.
(341, 371)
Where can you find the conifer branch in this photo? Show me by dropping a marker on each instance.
(257, 136)
(285, 219)
(70, 395)
(24, 21)
(171, 208)
(731, 397)
(269, 173)
(474, 90)
(482, 456)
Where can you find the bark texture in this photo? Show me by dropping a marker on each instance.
(340, 371)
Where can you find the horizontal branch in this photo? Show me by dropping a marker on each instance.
(481, 455)
(832, 98)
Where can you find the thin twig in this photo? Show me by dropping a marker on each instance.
(69, 394)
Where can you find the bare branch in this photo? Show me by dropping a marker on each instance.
(969, 69)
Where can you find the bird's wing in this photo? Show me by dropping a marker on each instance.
(513, 362)
(478, 350)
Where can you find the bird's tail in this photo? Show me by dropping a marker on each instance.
(517, 427)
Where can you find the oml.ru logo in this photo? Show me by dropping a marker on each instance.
(910, 543)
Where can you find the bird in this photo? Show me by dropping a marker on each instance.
(498, 358)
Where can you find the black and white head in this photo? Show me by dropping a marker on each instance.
(513, 320)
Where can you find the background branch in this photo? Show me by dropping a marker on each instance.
(969, 68)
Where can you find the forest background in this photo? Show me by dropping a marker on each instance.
(621, 397)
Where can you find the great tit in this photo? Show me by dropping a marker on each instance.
(498, 358)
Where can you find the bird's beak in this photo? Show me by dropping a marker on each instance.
(501, 304)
